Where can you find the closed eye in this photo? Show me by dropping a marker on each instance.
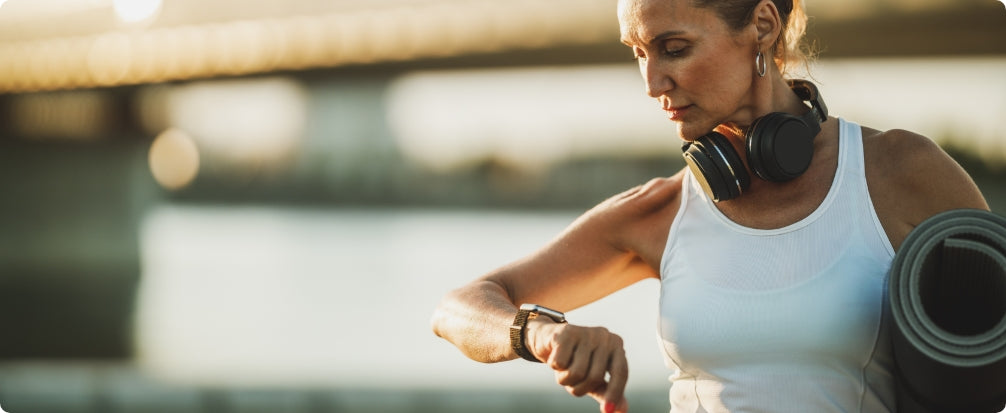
(676, 53)
(675, 49)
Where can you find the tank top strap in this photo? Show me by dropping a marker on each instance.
(853, 147)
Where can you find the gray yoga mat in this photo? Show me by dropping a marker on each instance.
(947, 297)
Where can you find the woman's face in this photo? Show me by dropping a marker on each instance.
(701, 72)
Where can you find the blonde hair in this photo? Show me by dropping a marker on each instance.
(791, 49)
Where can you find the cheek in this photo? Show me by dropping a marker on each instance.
(721, 82)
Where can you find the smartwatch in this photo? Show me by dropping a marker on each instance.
(528, 312)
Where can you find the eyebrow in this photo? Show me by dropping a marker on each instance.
(657, 38)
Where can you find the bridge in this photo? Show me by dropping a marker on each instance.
(117, 117)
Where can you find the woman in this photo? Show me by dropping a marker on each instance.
(771, 300)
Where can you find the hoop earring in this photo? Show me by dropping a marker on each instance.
(760, 64)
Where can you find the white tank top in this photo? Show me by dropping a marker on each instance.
(782, 320)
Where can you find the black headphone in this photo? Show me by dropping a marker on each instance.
(780, 147)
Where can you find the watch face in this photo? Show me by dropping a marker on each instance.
(529, 307)
(539, 310)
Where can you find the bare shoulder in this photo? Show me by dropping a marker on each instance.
(912, 178)
(917, 165)
(641, 202)
(640, 218)
(903, 147)
(647, 198)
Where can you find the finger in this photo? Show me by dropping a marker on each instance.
(618, 372)
(593, 381)
(561, 354)
(576, 372)
(610, 407)
(621, 407)
(613, 391)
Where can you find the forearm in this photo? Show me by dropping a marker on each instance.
(476, 319)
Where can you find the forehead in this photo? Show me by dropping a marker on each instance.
(642, 20)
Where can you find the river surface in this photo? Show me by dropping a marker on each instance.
(290, 297)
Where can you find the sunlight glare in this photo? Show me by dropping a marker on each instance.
(132, 11)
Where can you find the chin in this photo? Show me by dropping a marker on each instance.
(691, 132)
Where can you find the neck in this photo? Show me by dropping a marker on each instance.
(768, 94)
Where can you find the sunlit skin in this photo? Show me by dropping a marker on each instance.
(704, 75)
(701, 72)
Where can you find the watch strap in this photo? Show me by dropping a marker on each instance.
(518, 332)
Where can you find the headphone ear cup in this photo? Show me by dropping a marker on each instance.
(717, 166)
(780, 147)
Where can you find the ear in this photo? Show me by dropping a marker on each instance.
(768, 24)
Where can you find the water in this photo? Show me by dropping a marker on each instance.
(267, 296)
(255, 309)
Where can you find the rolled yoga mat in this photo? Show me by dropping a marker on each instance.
(947, 297)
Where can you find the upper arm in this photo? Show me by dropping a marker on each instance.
(911, 178)
(596, 255)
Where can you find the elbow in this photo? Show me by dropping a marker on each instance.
(446, 313)
(447, 319)
(437, 320)
(459, 321)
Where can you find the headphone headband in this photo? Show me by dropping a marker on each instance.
(808, 93)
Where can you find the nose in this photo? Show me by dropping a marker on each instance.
(658, 81)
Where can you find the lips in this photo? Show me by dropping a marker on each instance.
(677, 112)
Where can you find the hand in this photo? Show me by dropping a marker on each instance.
(582, 357)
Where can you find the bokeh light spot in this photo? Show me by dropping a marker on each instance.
(174, 159)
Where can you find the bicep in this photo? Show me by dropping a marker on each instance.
(605, 250)
(578, 267)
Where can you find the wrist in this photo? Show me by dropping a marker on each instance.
(530, 315)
